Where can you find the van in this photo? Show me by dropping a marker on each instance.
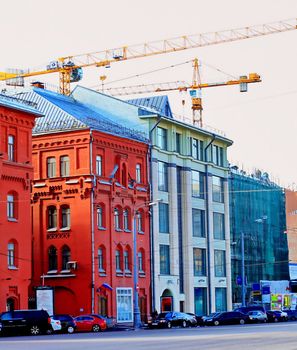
(25, 321)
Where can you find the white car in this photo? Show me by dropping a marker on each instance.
(56, 324)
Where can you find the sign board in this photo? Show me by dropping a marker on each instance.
(45, 299)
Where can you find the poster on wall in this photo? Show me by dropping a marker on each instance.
(45, 299)
(276, 301)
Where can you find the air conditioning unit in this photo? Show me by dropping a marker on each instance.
(72, 265)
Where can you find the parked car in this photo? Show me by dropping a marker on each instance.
(257, 316)
(171, 319)
(292, 315)
(247, 309)
(67, 323)
(277, 316)
(110, 321)
(88, 323)
(207, 317)
(232, 317)
(56, 325)
(25, 321)
(199, 319)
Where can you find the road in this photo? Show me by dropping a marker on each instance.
(259, 336)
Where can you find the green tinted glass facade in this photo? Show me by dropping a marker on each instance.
(257, 211)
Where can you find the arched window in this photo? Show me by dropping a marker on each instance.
(126, 218)
(64, 166)
(127, 259)
(139, 222)
(11, 206)
(100, 216)
(65, 257)
(118, 259)
(117, 219)
(52, 258)
(140, 256)
(65, 216)
(124, 175)
(101, 259)
(51, 167)
(52, 217)
(12, 254)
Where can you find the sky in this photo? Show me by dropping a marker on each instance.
(262, 122)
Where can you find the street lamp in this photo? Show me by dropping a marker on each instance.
(136, 311)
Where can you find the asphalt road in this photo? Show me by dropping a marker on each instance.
(279, 336)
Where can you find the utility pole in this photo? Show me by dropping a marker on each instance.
(242, 270)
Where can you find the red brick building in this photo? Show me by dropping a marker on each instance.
(90, 181)
(16, 171)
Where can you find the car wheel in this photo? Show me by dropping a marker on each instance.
(216, 323)
(169, 325)
(34, 330)
(70, 329)
(96, 328)
(242, 321)
(184, 324)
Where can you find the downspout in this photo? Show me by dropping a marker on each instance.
(207, 223)
(150, 177)
(92, 225)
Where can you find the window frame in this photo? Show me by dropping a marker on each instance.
(65, 166)
(219, 234)
(201, 214)
(162, 176)
(220, 266)
(199, 262)
(162, 138)
(99, 165)
(11, 148)
(200, 182)
(164, 264)
(51, 167)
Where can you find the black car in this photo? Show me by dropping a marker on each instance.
(25, 321)
(67, 322)
(292, 315)
(247, 309)
(232, 317)
(171, 319)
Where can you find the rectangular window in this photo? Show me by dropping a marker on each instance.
(162, 176)
(218, 226)
(11, 148)
(162, 138)
(65, 217)
(218, 155)
(164, 259)
(217, 189)
(199, 260)
(220, 263)
(163, 218)
(198, 221)
(197, 184)
(64, 166)
(10, 206)
(138, 173)
(99, 165)
(178, 143)
(124, 305)
(51, 167)
(221, 299)
(100, 260)
(196, 148)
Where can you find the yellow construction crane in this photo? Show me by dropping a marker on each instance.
(194, 89)
(70, 67)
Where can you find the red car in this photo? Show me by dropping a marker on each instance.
(88, 323)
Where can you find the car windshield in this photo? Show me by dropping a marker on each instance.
(162, 315)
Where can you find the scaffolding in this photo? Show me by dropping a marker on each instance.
(257, 212)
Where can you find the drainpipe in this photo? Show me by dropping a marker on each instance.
(150, 177)
(92, 224)
(207, 223)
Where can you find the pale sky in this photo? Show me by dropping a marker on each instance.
(262, 123)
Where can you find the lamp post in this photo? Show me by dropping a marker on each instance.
(136, 311)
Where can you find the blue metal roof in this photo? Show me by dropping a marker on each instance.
(19, 104)
(158, 103)
(65, 113)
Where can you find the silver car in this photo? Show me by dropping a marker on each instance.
(257, 316)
